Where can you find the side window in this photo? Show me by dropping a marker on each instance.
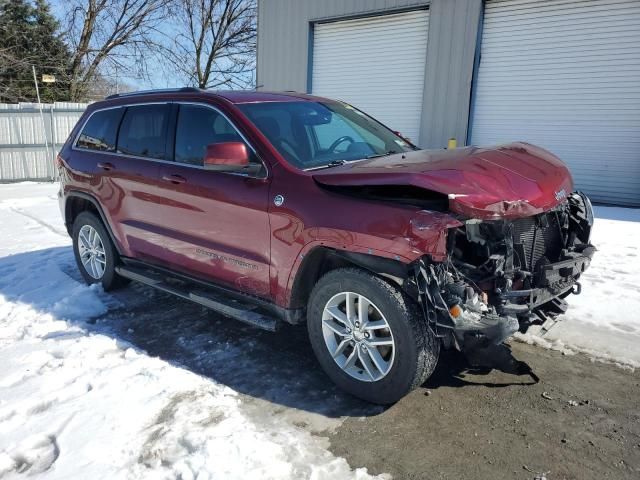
(143, 131)
(198, 127)
(276, 125)
(100, 132)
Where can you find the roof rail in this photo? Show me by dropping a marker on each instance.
(159, 90)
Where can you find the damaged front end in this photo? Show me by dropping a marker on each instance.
(501, 276)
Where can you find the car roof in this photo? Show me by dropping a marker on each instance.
(250, 96)
(233, 96)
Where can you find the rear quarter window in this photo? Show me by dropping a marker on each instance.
(101, 130)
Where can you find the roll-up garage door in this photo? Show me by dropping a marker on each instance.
(565, 74)
(376, 64)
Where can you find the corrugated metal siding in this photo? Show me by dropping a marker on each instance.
(376, 64)
(566, 75)
(453, 32)
(23, 155)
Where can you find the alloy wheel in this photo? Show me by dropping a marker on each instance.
(92, 253)
(358, 336)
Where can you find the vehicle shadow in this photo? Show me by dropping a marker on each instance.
(455, 370)
(278, 368)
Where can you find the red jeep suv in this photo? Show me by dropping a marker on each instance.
(284, 207)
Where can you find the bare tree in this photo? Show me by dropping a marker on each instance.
(108, 35)
(216, 42)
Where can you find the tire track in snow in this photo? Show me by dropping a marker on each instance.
(39, 221)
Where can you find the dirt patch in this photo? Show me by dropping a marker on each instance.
(581, 421)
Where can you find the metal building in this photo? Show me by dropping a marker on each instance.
(563, 74)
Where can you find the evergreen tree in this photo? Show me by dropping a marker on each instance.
(29, 36)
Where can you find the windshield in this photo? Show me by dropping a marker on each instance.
(317, 134)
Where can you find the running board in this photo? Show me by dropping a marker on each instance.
(229, 307)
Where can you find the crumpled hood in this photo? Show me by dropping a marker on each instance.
(509, 181)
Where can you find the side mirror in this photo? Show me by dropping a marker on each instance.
(226, 157)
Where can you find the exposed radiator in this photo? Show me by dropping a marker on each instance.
(540, 239)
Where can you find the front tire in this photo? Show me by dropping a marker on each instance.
(94, 252)
(369, 336)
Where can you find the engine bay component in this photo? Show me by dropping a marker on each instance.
(502, 276)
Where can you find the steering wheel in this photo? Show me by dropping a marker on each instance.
(344, 138)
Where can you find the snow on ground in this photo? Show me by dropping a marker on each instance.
(79, 402)
(80, 397)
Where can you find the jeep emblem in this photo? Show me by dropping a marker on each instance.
(560, 194)
(278, 200)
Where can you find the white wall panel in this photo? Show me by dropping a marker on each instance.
(23, 155)
(565, 75)
(376, 64)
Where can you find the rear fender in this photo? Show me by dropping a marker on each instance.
(70, 196)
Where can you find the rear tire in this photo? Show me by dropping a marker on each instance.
(94, 252)
(389, 348)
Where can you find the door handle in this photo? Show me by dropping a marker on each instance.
(106, 166)
(175, 179)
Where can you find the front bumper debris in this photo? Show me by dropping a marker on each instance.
(503, 276)
(470, 327)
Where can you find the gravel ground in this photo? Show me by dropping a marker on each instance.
(581, 421)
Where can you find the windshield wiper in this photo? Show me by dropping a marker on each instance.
(385, 154)
(335, 163)
(332, 163)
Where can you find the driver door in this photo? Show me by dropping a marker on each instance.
(217, 222)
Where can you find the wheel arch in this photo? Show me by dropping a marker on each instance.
(78, 202)
(321, 260)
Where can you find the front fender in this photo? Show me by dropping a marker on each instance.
(424, 233)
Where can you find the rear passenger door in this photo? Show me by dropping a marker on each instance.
(118, 147)
(217, 224)
(131, 179)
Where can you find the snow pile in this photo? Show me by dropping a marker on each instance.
(76, 404)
